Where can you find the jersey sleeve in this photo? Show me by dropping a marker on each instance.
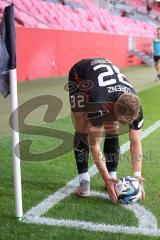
(138, 123)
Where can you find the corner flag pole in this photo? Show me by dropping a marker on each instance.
(8, 72)
(15, 142)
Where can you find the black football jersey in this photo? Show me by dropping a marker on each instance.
(105, 81)
(93, 82)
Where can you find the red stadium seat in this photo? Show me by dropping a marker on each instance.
(38, 13)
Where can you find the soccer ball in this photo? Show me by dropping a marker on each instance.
(128, 190)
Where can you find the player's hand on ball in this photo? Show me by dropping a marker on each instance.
(110, 183)
(141, 181)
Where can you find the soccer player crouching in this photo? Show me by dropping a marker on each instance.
(101, 99)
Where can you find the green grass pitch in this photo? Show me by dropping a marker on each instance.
(43, 178)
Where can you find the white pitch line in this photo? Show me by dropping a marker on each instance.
(90, 226)
(70, 187)
(146, 219)
(147, 226)
(33, 215)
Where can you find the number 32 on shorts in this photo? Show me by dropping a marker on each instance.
(77, 101)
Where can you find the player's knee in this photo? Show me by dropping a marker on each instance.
(81, 141)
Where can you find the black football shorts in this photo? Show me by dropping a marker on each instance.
(156, 59)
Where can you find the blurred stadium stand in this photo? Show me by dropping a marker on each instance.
(80, 15)
(53, 34)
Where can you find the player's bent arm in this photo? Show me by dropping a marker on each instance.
(136, 150)
(136, 155)
(100, 162)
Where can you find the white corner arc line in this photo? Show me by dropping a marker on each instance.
(146, 230)
(90, 226)
(35, 213)
(146, 219)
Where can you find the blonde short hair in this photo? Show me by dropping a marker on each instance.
(127, 108)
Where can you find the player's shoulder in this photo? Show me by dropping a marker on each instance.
(138, 122)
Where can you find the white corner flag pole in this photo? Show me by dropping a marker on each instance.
(15, 141)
